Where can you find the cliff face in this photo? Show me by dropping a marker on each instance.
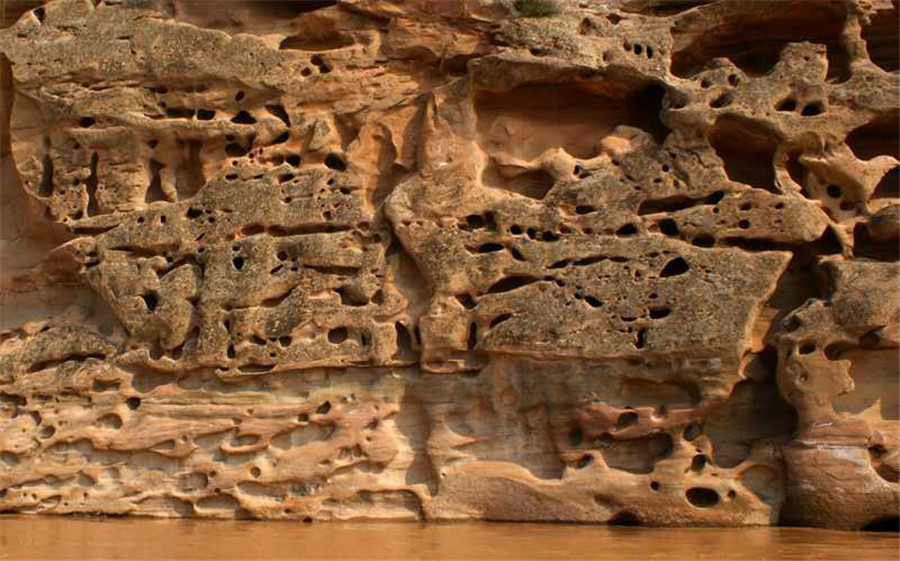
(609, 261)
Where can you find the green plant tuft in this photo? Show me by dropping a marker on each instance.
(536, 8)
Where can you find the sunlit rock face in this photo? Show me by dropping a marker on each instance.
(600, 261)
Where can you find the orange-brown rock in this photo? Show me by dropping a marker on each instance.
(623, 261)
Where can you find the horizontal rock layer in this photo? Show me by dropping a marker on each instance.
(611, 261)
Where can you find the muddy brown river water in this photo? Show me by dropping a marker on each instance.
(98, 538)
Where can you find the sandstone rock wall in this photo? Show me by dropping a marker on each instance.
(608, 261)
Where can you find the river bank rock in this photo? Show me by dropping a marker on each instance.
(621, 261)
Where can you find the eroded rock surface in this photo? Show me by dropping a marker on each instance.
(618, 261)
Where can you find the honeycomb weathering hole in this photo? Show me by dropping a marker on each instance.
(887, 524)
(701, 497)
(882, 38)
(754, 44)
(747, 148)
(878, 137)
(526, 121)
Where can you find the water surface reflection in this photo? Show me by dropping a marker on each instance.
(25, 537)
